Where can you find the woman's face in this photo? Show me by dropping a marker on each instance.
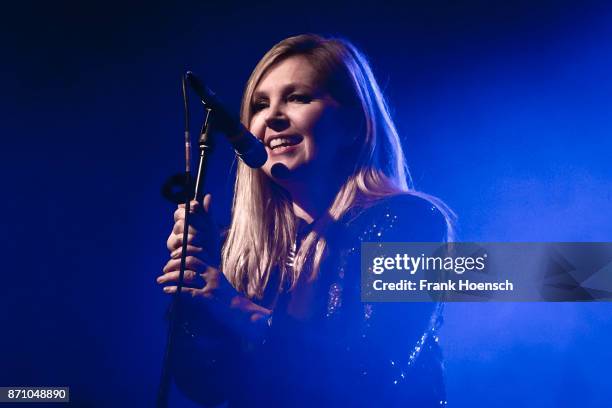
(301, 125)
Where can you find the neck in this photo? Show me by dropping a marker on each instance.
(311, 201)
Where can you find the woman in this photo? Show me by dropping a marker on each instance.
(283, 324)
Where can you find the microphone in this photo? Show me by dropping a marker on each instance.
(280, 171)
(247, 147)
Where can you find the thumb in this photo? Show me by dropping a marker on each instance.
(206, 202)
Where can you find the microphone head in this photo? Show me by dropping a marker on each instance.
(248, 148)
(280, 171)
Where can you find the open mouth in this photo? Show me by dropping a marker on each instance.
(278, 143)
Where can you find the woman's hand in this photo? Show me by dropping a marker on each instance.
(203, 281)
(202, 276)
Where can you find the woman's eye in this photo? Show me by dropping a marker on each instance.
(300, 98)
(259, 105)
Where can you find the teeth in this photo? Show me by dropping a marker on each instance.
(280, 141)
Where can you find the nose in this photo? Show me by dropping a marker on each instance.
(276, 118)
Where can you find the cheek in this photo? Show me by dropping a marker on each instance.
(328, 130)
(257, 127)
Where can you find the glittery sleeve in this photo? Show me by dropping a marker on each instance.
(395, 345)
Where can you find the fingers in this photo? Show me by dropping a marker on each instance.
(191, 262)
(206, 292)
(202, 240)
(191, 250)
(189, 291)
(175, 241)
(200, 226)
(190, 277)
(206, 281)
(179, 213)
(199, 221)
(194, 208)
(179, 227)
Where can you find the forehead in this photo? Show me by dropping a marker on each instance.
(293, 71)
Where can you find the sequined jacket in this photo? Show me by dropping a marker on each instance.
(348, 353)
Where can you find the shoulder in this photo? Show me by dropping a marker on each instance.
(402, 217)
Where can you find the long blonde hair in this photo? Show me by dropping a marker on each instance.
(263, 227)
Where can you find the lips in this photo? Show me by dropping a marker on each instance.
(281, 141)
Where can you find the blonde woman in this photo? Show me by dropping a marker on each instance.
(276, 319)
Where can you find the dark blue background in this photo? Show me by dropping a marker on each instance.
(504, 110)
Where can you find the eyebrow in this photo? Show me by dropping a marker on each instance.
(285, 89)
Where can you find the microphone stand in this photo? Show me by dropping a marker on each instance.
(175, 315)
